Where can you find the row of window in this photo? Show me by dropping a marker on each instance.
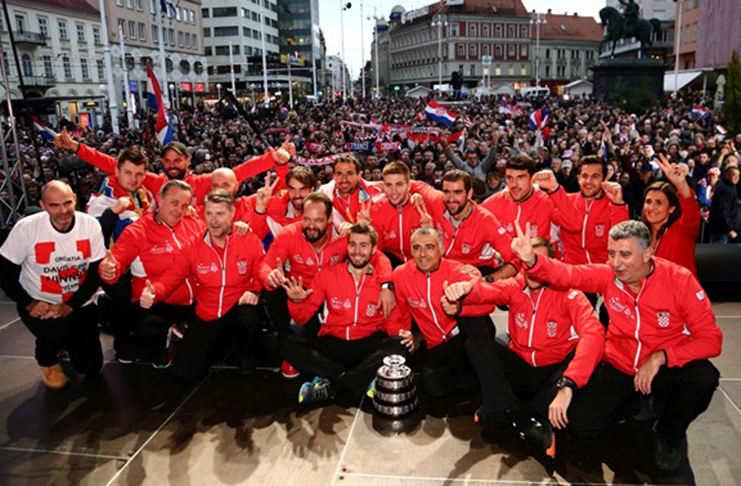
(131, 29)
(224, 50)
(22, 26)
(46, 65)
(496, 70)
(233, 30)
(219, 12)
(474, 30)
(689, 33)
(173, 11)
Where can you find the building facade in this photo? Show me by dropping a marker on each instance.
(240, 23)
(135, 22)
(301, 38)
(60, 51)
(568, 47)
(465, 33)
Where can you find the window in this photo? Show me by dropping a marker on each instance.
(132, 30)
(523, 31)
(547, 71)
(246, 32)
(255, 17)
(129, 4)
(472, 50)
(80, 32)
(101, 69)
(26, 65)
(180, 39)
(204, 13)
(454, 29)
(461, 50)
(139, 5)
(693, 36)
(574, 54)
(172, 37)
(96, 35)
(511, 70)
(208, 51)
(498, 70)
(152, 8)
(224, 12)
(122, 28)
(193, 17)
(499, 50)
(206, 32)
(67, 66)
(547, 53)
(473, 70)
(485, 30)
(119, 3)
(523, 51)
(155, 34)
(472, 30)
(498, 30)
(512, 31)
(142, 32)
(194, 41)
(48, 66)
(226, 31)
(510, 51)
(485, 50)
(62, 25)
(523, 70)
(43, 27)
(85, 70)
(235, 49)
(222, 50)
(187, 39)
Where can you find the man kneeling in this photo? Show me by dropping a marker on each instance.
(556, 341)
(355, 336)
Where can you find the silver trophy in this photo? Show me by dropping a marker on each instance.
(395, 393)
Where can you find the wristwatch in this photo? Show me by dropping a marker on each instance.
(565, 381)
(388, 285)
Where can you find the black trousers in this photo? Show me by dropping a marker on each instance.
(199, 347)
(77, 333)
(119, 311)
(610, 395)
(152, 325)
(507, 382)
(447, 371)
(349, 365)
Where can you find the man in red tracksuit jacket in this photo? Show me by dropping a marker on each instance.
(661, 335)
(271, 214)
(355, 336)
(176, 163)
(419, 286)
(523, 202)
(150, 248)
(224, 267)
(397, 216)
(555, 344)
(471, 234)
(599, 206)
(300, 250)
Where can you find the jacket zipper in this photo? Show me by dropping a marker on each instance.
(532, 322)
(638, 325)
(401, 237)
(588, 208)
(432, 309)
(358, 289)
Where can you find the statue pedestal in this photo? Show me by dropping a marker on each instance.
(639, 81)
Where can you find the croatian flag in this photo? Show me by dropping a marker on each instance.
(538, 119)
(505, 108)
(700, 111)
(720, 129)
(154, 101)
(44, 131)
(603, 150)
(439, 113)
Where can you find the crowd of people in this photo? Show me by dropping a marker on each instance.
(347, 232)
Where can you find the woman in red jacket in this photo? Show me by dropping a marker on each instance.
(672, 214)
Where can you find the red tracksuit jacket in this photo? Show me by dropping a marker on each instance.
(545, 325)
(677, 243)
(221, 277)
(304, 261)
(200, 183)
(597, 216)
(670, 312)
(353, 311)
(152, 249)
(419, 296)
(538, 209)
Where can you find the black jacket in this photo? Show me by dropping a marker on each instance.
(725, 213)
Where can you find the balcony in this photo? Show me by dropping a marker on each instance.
(29, 38)
(39, 81)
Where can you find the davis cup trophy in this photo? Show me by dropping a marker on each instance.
(395, 394)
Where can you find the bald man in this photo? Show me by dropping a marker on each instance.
(49, 265)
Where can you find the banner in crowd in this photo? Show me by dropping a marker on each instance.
(316, 162)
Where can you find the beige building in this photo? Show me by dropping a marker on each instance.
(135, 21)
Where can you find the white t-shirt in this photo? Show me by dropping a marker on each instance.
(53, 264)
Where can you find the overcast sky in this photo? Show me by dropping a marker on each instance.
(329, 20)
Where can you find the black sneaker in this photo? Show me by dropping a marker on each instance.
(491, 421)
(540, 436)
(315, 391)
(126, 350)
(668, 458)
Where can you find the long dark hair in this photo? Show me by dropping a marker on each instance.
(671, 194)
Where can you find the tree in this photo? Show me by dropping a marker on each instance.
(732, 103)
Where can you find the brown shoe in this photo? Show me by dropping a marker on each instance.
(54, 377)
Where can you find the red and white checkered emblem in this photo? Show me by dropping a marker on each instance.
(466, 249)
(599, 230)
(552, 328)
(663, 318)
(533, 231)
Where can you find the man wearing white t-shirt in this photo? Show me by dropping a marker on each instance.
(49, 265)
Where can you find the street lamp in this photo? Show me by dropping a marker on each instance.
(440, 20)
(537, 19)
(375, 47)
(218, 90)
(172, 97)
(345, 6)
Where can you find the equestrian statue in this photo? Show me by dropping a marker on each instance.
(628, 25)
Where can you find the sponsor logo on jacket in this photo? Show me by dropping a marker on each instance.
(417, 304)
(340, 304)
(161, 250)
(619, 307)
